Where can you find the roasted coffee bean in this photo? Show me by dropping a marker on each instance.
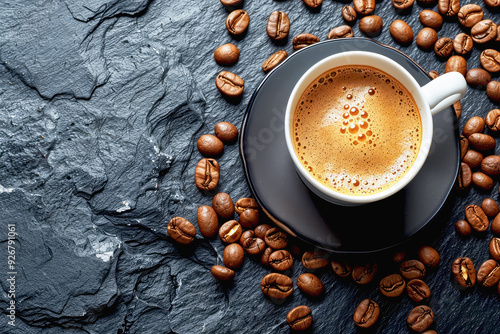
(490, 165)
(364, 274)
(206, 174)
(226, 54)
(430, 19)
(402, 4)
(456, 64)
(464, 146)
(490, 60)
(274, 60)
(401, 32)
(495, 248)
(231, 3)
(463, 228)
(473, 158)
(281, 260)
(476, 218)
(490, 207)
(349, 14)
(418, 291)
(249, 218)
(366, 314)
(482, 180)
(223, 205)
(392, 285)
(462, 44)
(251, 244)
(344, 31)
(464, 176)
(482, 142)
(448, 7)
(261, 230)
(492, 3)
(181, 230)
(342, 269)
(315, 260)
(237, 22)
(469, 15)
(299, 318)
(302, 40)
(313, 3)
(245, 203)
(310, 284)
(278, 25)
(364, 7)
(264, 259)
(433, 74)
(411, 269)
(420, 318)
(207, 221)
(443, 47)
(426, 38)
(488, 274)
(458, 108)
(210, 146)
(276, 238)
(398, 257)
(478, 77)
(226, 132)
(371, 25)
(495, 224)
(429, 256)
(222, 273)
(229, 84)
(233, 256)
(484, 31)
(230, 231)
(474, 125)
(276, 286)
(493, 90)
(493, 120)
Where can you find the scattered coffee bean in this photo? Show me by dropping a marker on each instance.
(364, 274)
(371, 25)
(474, 125)
(207, 221)
(490, 60)
(490, 165)
(463, 228)
(313, 3)
(482, 142)
(299, 318)
(420, 318)
(230, 231)
(210, 146)
(473, 158)
(430, 19)
(448, 7)
(366, 314)
(490, 207)
(226, 54)
(302, 40)
(411, 269)
(464, 176)
(464, 146)
(276, 286)
(233, 256)
(476, 218)
(488, 274)
(495, 224)
(429, 256)
(223, 205)
(456, 64)
(426, 38)
(458, 108)
(482, 180)
(237, 22)
(181, 230)
(493, 90)
(344, 31)
(274, 60)
(229, 84)
(276, 238)
(402, 4)
(251, 244)
(418, 291)
(364, 7)
(398, 257)
(231, 3)
(443, 47)
(264, 259)
(462, 44)
(464, 272)
(493, 120)
(315, 260)
(470, 14)
(244, 204)
(401, 32)
(484, 31)
(492, 3)
(222, 273)
(392, 285)
(495, 248)
(278, 25)
(226, 132)
(478, 77)
(433, 74)
(206, 174)
(310, 284)
(342, 269)
(261, 230)
(249, 218)
(349, 14)
(280, 260)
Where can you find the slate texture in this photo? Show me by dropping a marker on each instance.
(101, 103)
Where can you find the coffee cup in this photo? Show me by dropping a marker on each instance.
(333, 183)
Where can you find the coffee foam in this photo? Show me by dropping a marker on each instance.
(356, 130)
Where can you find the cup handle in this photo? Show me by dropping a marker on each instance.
(444, 91)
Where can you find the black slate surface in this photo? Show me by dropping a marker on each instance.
(101, 104)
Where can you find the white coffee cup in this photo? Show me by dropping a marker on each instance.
(430, 99)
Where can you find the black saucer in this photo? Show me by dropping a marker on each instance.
(287, 201)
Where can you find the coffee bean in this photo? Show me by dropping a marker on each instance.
(420, 318)
(230, 231)
(222, 273)
(276, 238)
(249, 218)
(366, 314)
(398, 257)
(411, 269)
(245, 203)
(261, 230)
(344, 31)
(401, 32)
(237, 22)
(299, 318)
(488, 274)
(448, 7)
(443, 47)
(278, 26)
(473, 158)
(495, 224)
(418, 291)
(482, 180)
(463, 228)
(231, 3)
(484, 31)
(313, 3)
(490, 165)
(490, 60)
(458, 108)
(229, 84)
(392, 285)
(493, 120)
(281, 260)
(349, 14)
(493, 90)
(456, 64)
(490, 207)
(276, 286)
(206, 174)
(223, 205)
(469, 15)
(264, 259)
(492, 3)
(462, 44)
(402, 4)
(342, 269)
(429, 256)
(371, 25)
(251, 244)
(233, 256)
(181, 230)
(474, 125)
(274, 60)
(430, 19)
(226, 132)
(476, 218)
(226, 54)
(464, 176)
(310, 284)
(495, 248)
(426, 38)
(464, 146)
(302, 40)
(433, 74)
(482, 142)
(364, 274)
(210, 146)
(315, 260)
(364, 7)
(478, 77)
(207, 221)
